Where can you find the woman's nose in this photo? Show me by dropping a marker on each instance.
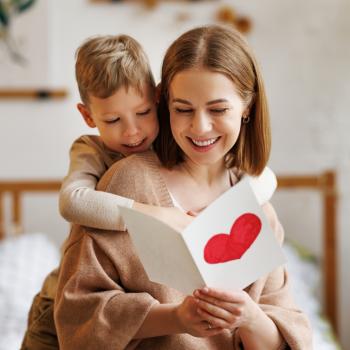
(201, 123)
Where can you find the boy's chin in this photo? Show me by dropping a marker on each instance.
(128, 151)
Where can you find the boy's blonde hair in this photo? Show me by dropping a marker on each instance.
(106, 63)
(223, 50)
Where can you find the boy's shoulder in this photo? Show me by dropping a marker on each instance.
(93, 146)
(87, 144)
(93, 141)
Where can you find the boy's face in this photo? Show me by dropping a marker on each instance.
(127, 122)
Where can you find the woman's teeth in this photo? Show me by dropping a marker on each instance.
(203, 143)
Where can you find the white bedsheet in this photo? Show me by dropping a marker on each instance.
(305, 281)
(24, 262)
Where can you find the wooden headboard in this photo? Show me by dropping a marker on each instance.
(16, 189)
(324, 184)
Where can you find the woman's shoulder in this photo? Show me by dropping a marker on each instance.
(133, 169)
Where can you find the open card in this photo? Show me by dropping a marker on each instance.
(228, 245)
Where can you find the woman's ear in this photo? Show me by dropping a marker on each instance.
(84, 111)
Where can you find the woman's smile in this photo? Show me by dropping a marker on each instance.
(203, 145)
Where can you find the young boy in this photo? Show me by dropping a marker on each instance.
(118, 97)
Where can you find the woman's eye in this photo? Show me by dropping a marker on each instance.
(147, 111)
(183, 110)
(112, 121)
(219, 110)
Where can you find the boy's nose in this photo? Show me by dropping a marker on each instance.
(131, 130)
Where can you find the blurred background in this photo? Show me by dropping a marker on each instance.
(303, 48)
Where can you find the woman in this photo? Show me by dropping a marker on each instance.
(213, 128)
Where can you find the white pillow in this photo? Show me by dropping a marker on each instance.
(24, 263)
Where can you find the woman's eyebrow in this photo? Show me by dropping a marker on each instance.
(180, 100)
(219, 100)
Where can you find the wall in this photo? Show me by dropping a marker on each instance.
(303, 48)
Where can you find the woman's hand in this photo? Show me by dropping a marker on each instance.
(191, 322)
(226, 309)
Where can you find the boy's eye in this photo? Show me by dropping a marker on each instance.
(147, 111)
(112, 121)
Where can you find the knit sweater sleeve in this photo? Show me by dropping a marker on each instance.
(274, 298)
(103, 293)
(94, 309)
(79, 202)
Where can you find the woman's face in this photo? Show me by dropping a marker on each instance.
(205, 114)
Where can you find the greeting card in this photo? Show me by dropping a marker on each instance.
(230, 244)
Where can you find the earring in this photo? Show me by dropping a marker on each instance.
(245, 119)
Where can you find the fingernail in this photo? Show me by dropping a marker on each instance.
(205, 289)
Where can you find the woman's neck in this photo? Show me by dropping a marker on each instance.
(195, 186)
(203, 175)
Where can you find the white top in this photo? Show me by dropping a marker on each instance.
(263, 187)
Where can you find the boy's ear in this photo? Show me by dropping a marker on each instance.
(84, 111)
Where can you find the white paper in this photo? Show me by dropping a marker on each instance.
(177, 259)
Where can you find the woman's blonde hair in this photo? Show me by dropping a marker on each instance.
(223, 50)
(106, 63)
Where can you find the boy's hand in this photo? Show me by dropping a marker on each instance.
(226, 309)
(175, 218)
(172, 216)
(191, 322)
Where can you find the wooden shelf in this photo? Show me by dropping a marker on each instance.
(39, 94)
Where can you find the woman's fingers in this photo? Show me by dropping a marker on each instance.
(231, 307)
(214, 310)
(221, 294)
(211, 330)
(214, 320)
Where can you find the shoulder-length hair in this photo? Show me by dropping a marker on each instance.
(223, 50)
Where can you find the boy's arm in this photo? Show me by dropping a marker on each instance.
(79, 202)
(172, 216)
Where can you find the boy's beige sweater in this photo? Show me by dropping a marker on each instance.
(79, 202)
(104, 293)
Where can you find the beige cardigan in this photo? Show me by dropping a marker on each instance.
(104, 293)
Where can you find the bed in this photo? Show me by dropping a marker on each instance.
(26, 258)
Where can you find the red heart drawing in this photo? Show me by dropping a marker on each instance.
(223, 247)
